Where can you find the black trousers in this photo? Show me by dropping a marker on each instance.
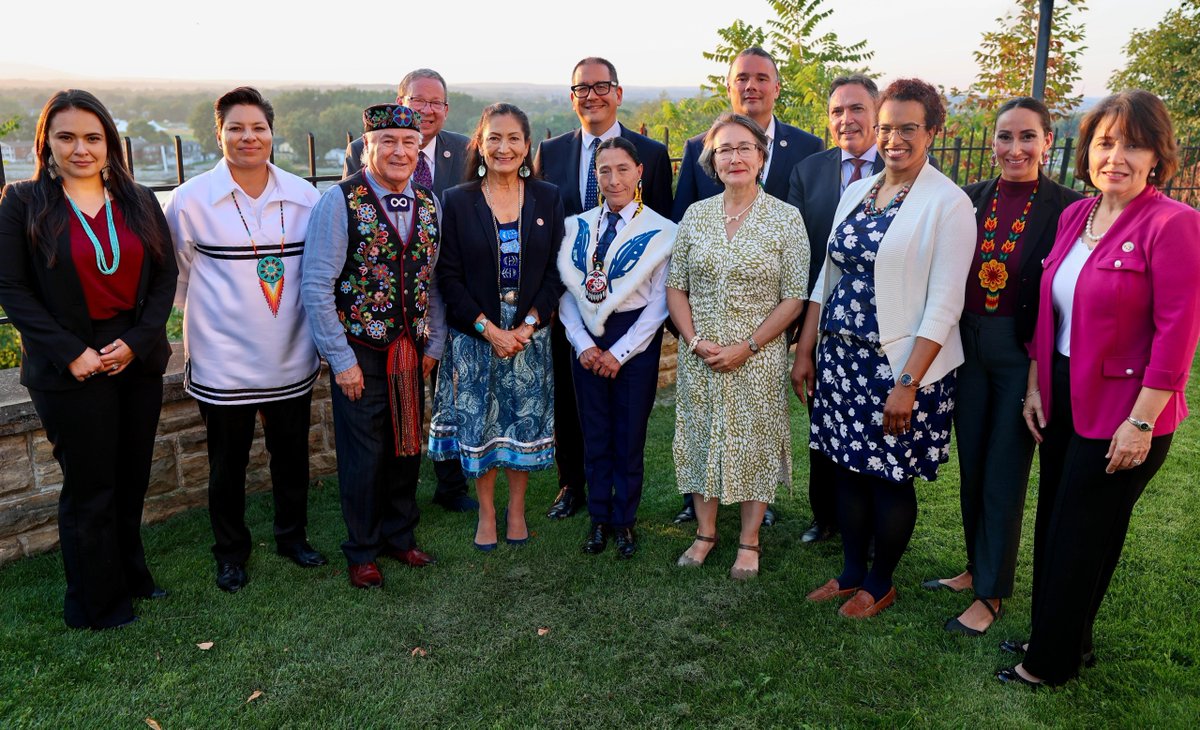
(230, 435)
(568, 436)
(615, 413)
(451, 482)
(995, 450)
(378, 488)
(1083, 517)
(103, 438)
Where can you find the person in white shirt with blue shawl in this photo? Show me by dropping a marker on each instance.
(614, 262)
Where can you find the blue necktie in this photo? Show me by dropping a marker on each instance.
(593, 188)
(607, 237)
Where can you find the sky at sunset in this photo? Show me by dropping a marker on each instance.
(533, 41)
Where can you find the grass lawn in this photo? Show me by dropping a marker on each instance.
(625, 644)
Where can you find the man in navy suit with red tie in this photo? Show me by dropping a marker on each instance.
(753, 84)
(816, 187)
(568, 161)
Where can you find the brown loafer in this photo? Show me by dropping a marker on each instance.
(830, 591)
(864, 605)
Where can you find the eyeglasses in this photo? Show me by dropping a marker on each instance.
(416, 102)
(905, 132)
(725, 152)
(600, 88)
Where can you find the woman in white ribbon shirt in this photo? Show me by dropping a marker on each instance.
(614, 262)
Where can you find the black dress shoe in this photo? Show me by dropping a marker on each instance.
(231, 577)
(302, 554)
(566, 504)
(1011, 646)
(817, 532)
(455, 502)
(768, 517)
(687, 514)
(597, 539)
(1010, 676)
(154, 594)
(626, 543)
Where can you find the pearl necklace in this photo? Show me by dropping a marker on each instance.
(1087, 230)
(737, 218)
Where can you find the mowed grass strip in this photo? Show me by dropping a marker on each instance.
(543, 635)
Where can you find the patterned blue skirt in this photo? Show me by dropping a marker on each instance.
(854, 380)
(490, 412)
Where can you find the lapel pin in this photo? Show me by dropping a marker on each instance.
(541, 222)
(446, 153)
(1127, 246)
(783, 143)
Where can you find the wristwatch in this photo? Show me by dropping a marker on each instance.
(753, 345)
(907, 380)
(481, 325)
(1142, 426)
(531, 320)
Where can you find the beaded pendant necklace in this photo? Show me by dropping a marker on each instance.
(270, 267)
(113, 244)
(993, 274)
(869, 207)
(595, 285)
(487, 195)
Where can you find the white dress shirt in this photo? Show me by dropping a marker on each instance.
(652, 295)
(1062, 292)
(585, 154)
(848, 165)
(770, 132)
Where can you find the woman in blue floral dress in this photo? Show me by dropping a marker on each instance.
(883, 381)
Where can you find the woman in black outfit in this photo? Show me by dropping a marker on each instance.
(87, 277)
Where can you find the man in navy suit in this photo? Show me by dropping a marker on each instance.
(443, 153)
(817, 184)
(568, 161)
(753, 84)
(441, 164)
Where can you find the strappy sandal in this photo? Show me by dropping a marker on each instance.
(745, 573)
(687, 562)
(955, 626)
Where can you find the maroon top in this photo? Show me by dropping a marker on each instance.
(1013, 196)
(106, 296)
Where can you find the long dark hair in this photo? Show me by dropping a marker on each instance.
(47, 211)
(475, 157)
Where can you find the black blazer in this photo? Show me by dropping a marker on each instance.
(1040, 230)
(47, 304)
(466, 267)
(448, 171)
(557, 161)
(815, 189)
(791, 145)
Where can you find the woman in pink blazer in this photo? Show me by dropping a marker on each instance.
(1112, 349)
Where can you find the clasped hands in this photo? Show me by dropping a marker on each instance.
(723, 359)
(112, 359)
(508, 343)
(603, 363)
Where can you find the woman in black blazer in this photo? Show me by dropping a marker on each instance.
(87, 277)
(1017, 214)
(497, 273)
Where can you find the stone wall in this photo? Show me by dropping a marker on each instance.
(30, 479)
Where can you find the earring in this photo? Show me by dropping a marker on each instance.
(52, 169)
(1045, 158)
(993, 160)
(104, 171)
(524, 171)
(481, 170)
(1153, 173)
(637, 192)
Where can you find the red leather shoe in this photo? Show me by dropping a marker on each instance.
(864, 605)
(830, 591)
(366, 575)
(414, 557)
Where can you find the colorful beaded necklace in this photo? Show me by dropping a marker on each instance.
(993, 273)
(869, 207)
(270, 268)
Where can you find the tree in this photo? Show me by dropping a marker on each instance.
(1006, 58)
(203, 129)
(9, 125)
(1165, 60)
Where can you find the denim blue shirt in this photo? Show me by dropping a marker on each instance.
(325, 249)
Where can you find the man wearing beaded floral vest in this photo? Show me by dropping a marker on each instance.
(378, 320)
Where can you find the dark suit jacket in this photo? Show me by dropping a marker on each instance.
(466, 268)
(557, 161)
(447, 171)
(1040, 229)
(815, 188)
(47, 304)
(791, 145)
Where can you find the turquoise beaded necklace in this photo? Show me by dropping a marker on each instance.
(113, 243)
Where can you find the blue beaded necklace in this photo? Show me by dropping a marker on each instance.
(113, 243)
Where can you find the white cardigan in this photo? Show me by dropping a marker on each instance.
(920, 269)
